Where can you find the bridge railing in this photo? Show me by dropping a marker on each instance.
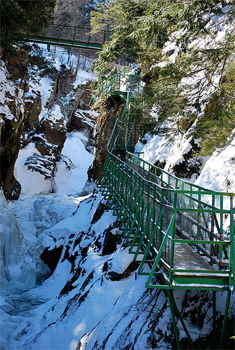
(119, 81)
(117, 138)
(181, 234)
(75, 34)
(164, 178)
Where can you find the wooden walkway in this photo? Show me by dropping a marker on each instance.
(185, 257)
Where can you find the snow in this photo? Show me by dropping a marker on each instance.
(10, 237)
(66, 181)
(219, 172)
(6, 87)
(45, 86)
(31, 329)
(121, 261)
(160, 148)
(9, 93)
(32, 182)
(41, 219)
(83, 77)
(55, 114)
(95, 310)
(75, 159)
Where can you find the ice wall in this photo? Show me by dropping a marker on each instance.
(9, 239)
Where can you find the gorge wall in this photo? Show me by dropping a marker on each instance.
(40, 113)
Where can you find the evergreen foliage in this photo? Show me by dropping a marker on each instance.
(177, 44)
(22, 17)
(74, 12)
(217, 125)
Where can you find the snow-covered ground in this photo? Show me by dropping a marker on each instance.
(218, 171)
(38, 312)
(71, 173)
(83, 300)
(34, 312)
(91, 296)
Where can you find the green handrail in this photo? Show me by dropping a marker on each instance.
(174, 203)
(168, 212)
(162, 213)
(112, 84)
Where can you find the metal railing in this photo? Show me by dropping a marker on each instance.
(174, 226)
(181, 229)
(184, 232)
(71, 36)
(119, 81)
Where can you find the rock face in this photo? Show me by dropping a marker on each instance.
(33, 105)
(12, 125)
(22, 122)
(51, 257)
(105, 123)
(190, 164)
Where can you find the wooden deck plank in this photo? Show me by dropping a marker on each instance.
(186, 258)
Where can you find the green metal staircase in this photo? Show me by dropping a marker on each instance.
(181, 234)
(167, 224)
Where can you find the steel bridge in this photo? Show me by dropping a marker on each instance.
(70, 36)
(181, 234)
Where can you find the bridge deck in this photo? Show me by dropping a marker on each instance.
(62, 42)
(191, 270)
(185, 257)
(71, 36)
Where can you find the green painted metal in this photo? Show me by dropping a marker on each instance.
(170, 297)
(70, 36)
(171, 225)
(223, 332)
(130, 209)
(119, 82)
(131, 214)
(149, 245)
(133, 220)
(62, 42)
(139, 201)
(143, 237)
(159, 213)
(113, 195)
(138, 228)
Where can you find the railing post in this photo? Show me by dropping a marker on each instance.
(173, 238)
(162, 209)
(198, 215)
(231, 248)
(212, 226)
(221, 232)
(170, 297)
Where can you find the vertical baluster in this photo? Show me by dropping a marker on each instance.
(231, 247)
(221, 232)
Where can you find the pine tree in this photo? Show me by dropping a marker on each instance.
(165, 38)
(22, 17)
